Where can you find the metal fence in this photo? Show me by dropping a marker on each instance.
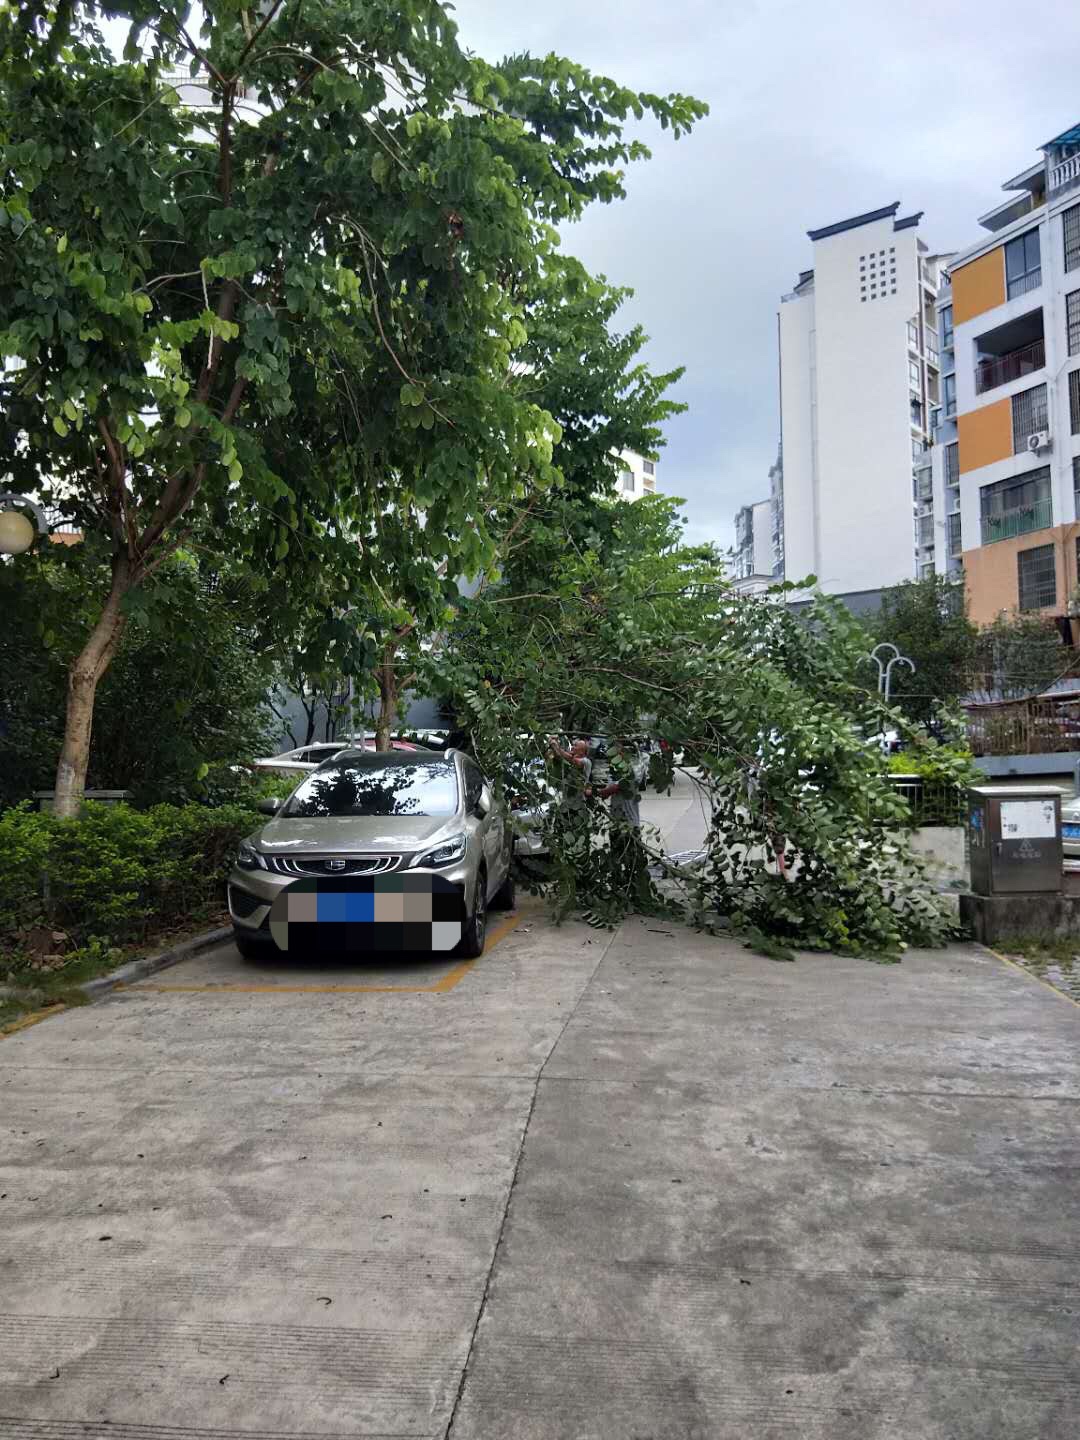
(1024, 727)
(930, 802)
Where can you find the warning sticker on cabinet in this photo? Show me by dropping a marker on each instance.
(1027, 820)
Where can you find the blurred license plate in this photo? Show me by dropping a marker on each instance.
(1071, 832)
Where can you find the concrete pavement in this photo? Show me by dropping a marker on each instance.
(647, 1185)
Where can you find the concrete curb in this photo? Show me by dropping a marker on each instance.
(150, 964)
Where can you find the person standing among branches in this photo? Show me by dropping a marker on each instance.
(623, 794)
(577, 772)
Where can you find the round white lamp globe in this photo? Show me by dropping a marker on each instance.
(16, 532)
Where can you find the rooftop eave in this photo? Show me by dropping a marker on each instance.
(1031, 179)
(887, 212)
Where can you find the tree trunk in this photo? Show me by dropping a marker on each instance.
(384, 725)
(86, 671)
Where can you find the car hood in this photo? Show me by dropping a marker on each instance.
(342, 834)
(1070, 810)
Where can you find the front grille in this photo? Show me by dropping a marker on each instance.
(332, 864)
(243, 904)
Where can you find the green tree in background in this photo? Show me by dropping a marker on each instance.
(1017, 656)
(267, 322)
(184, 699)
(927, 621)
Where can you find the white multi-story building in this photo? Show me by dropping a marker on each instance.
(859, 374)
(637, 477)
(1009, 438)
(776, 506)
(752, 551)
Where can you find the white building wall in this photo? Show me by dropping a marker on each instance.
(846, 408)
(797, 407)
(637, 476)
(864, 417)
(763, 538)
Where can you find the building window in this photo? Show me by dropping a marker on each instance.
(1036, 580)
(1071, 222)
(950, 395)
(914, 376)
(955, 547)
(628, 480)
(952, 464)
(1072, 321)
(1016, 507)
(946, 327)
(1074, 402)
(1023, 266)
(1028, 416)
(1076, 485)
(650, 468)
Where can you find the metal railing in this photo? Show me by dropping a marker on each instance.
(929, 801)
(1021, 521)
(1024, 284)
(991, 373)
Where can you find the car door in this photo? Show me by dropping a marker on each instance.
(492, 826)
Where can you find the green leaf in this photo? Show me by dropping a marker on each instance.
(236, 471)
(61, 244)
(59, 426)
(182, 418)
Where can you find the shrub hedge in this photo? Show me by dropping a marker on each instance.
(115, 873)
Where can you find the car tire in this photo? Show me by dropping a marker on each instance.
(249, 947)
(505, 897)
(474, 935)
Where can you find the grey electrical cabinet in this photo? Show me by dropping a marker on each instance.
(1015, 833)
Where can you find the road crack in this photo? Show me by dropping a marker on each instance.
(482, 1308)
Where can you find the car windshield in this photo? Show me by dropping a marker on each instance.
(353, 788)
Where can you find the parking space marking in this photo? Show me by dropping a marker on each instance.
(440, 987)
(1030, 976)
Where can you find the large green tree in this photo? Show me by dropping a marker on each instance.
(272, 319)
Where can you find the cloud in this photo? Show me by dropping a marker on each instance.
(819, 111)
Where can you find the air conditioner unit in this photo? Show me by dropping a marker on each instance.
(1039, 441)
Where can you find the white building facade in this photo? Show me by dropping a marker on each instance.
(637, 476)
(859, 376)
(752, 553)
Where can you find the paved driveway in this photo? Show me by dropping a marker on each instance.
(646, 1185)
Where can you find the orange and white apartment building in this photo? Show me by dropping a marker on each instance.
(1007, 445)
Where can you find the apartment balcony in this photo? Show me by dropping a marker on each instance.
(1022, 521)
(989, 374)
(1010, 352)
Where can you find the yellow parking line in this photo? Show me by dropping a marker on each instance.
(447, 982)
(1037, 978)
(34, 1018)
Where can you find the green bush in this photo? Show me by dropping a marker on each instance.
(937, 764)
(115, 874)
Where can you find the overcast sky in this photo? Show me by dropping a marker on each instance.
(821, 109)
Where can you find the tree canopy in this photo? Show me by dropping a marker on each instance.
(273, 314)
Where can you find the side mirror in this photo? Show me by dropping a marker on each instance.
(483, 803)
(270, 806)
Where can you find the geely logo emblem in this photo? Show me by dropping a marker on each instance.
(335, 864)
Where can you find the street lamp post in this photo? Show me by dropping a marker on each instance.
(885, 666)
(17, 533)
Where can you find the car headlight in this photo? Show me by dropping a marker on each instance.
(248, 858)
(444, 854)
